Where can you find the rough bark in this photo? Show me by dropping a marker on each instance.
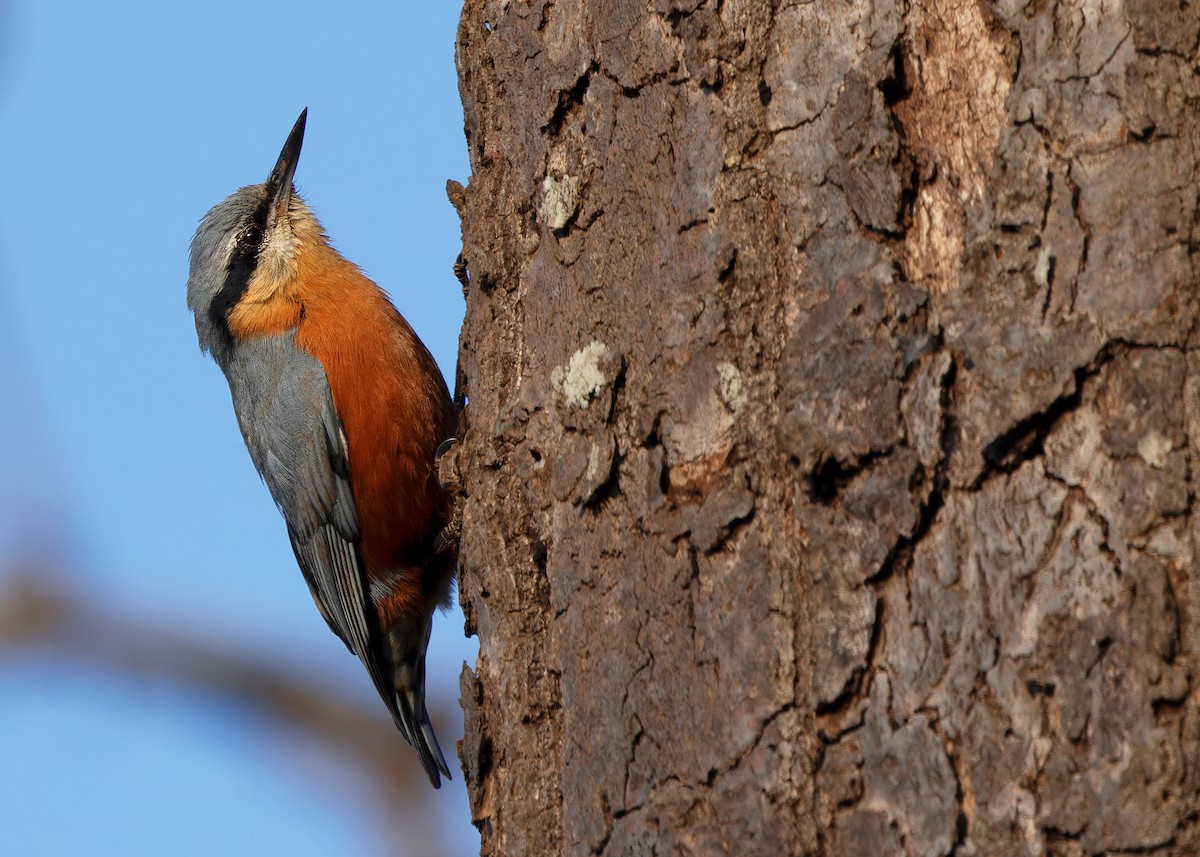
(833, 410)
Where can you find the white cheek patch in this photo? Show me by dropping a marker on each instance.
(275, 268)
(276, 259)
(276, 265)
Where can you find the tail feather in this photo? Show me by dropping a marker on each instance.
(408, 660)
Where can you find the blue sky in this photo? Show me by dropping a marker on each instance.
(120, 125)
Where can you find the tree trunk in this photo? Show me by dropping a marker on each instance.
(833, 410)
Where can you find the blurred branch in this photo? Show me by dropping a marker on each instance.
(45, 612)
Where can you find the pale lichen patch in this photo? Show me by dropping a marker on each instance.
(582, 378)
(733, 387)
(1041, 271)
(560, 200)
(1154, 449)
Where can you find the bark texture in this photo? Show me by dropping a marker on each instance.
(829, 462)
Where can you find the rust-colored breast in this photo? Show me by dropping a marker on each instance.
(395, 411)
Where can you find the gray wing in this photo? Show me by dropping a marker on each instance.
(287, 416)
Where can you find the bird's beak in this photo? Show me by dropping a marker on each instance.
(279, 183)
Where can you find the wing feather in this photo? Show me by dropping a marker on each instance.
(295, 438)
(297, 442)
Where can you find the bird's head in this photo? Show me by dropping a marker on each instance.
(246, 247)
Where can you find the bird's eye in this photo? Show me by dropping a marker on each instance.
(252, 236)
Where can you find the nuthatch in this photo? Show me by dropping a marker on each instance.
(343, 410)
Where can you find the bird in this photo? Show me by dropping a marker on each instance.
(343, 410)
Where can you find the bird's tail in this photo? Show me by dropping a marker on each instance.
(408, 644)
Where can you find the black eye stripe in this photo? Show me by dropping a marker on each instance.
(249, 239)
(240, 268)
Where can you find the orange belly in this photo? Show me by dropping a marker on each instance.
(395, 411)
